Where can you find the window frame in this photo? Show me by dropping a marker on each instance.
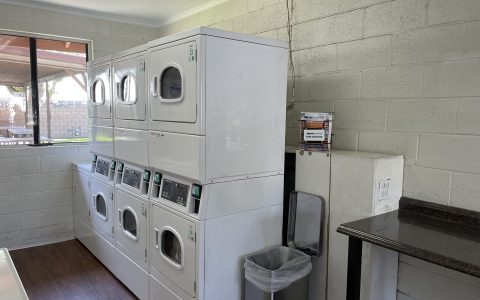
(33, 37)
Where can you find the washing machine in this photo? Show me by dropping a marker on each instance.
(98, 234)
(99, 92)
(174, 252)
(132, 185)
(102, 214)
(129, 88)
(215, 98)
(207, 229)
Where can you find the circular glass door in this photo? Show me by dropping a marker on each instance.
(98, 91)
(128, 88)
(171, 83)
(129, 223)
(101, 206)
(171, 247)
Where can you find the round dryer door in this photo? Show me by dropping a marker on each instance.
(101, 207)
(128, 89)
(171, 247)
(129, 223)
(98, 92)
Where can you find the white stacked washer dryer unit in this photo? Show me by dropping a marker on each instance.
(216, 147)
(100, 109)
(132, 179)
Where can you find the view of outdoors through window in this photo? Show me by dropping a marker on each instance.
(61, 87)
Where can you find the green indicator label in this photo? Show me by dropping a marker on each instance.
(146, 175)
(120, 167)
(157, 178)
(196, 191)
(112, 165)
(94, 158)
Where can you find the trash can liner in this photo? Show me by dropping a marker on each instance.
(276, 268)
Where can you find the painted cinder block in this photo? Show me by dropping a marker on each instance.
(427, 184)
(392, 82)
(315, 60)
(339, 28)
(324, 59)
(471, 42)
(352, 114)
(12, 166)
(35, 201)
(253, 5)
(424, 284)
(422, 115)
(305, 10)
(428, 45)
(452, 79)
(450, 152)
(366, 53)
(340, 85)
(35, 219)
(395, 16)
(389, 142)
(45, 182)
(468, 116)
(9, 185)
(445, 11)
(466, 191)
(344, 139)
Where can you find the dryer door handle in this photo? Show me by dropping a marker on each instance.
(120, 217)
(118, 90)
(155, 85)
(94, 200)
(156, 237)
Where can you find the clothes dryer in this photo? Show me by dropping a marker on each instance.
(99, 92)
(197, 230)
(102, 206)
(129, 88)
(102, 215)
(132, 185)
(216, 99)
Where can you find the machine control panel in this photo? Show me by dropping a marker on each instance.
(132, 177)
(175, 192)
(102, 167)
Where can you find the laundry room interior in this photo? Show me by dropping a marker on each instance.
(240, 149)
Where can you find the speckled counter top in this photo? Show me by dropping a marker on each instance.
(442, 235)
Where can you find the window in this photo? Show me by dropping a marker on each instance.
(43, 91)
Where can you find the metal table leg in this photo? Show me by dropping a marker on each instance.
(354, 268)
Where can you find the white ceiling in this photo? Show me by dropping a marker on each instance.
(146, 12)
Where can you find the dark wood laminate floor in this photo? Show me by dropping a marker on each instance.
(66, 270)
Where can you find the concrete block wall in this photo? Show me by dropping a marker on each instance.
(403, 77)
(36, 204)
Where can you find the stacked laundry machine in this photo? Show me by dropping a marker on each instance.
(195, 176)
(95, 227)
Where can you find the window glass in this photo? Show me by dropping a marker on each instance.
(15, 124)
(171, 247)
(171, 84)
(129, 222)
(128, 89)
(98, 91)
(101, 206)
(62, 85)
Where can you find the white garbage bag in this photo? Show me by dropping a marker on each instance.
(276, 268)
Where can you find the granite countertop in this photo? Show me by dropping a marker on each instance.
(442, 235)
